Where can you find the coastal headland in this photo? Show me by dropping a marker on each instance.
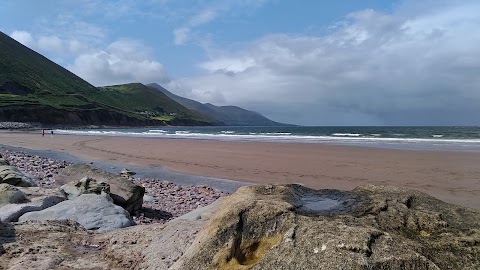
(447, 175)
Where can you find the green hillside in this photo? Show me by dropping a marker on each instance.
(27, 77)
(150, 103)
(35, 89)
(229, 115)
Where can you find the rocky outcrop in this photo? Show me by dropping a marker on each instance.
(11, 194)
(86, 185)
(266, 227)
(48, 245)
(293, 227)
(64, 244)
(93, 212)
(11, 175)
(123, 191)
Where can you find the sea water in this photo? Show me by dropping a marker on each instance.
(422, 138)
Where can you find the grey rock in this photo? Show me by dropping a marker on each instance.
(147, 198)
(86, 185)
(34, 193)
(11, 175)
(126, 173)
(11, 194)
(202, 212)
(94, 212)
(123, 191)
(294, 227)
(11, 212)
(3, 161)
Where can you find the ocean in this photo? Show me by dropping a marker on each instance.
(421, 138)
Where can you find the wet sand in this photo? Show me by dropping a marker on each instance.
(450, 176)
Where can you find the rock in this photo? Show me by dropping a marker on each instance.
(94, 212)
(154, 247)
(11, 194)
(35, 193)
(123, 191)
(11, 212)
(294, 227)
(48, 245)
(147, 198)
(36, 199)
(126, 173)
(11, 175)
(202, 212)
(3, 161)
(86, 185)
(65, 244)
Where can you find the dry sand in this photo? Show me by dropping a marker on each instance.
(450, 176)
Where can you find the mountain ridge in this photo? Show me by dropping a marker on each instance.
(230, 115)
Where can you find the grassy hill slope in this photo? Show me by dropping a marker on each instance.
(149, 102)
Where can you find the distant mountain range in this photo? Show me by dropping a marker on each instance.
(228, 115)
(35, 89)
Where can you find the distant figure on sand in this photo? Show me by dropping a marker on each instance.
(51, 133)
(43, 132)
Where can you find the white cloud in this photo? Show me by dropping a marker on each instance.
(203, 17)
(180, 35)
(51, 44)
(210, 11)
(123, 61)
(83, 48)
(23, 37)
(372, 68)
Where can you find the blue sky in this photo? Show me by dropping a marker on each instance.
(309, 62)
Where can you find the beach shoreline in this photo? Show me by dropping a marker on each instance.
(448, 175)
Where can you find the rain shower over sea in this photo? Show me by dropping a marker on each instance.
(421, 138)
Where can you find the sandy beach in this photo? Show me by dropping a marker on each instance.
(450, 176)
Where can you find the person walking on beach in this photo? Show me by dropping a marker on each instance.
(43, 132)
(51, 133)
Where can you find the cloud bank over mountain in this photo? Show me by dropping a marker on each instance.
(412, 64)
(415, 66)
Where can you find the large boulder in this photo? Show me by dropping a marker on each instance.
(86, 185)
(11, 194)
(123, 191)
(293, 227)
(12, 212)
(94, 212)
(11, 175)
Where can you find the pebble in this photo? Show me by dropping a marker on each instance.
(166, 200)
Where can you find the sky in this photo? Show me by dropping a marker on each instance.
(309, 62)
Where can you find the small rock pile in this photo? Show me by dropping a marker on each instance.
(41, 169)
(17, 125)
(172, 200)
